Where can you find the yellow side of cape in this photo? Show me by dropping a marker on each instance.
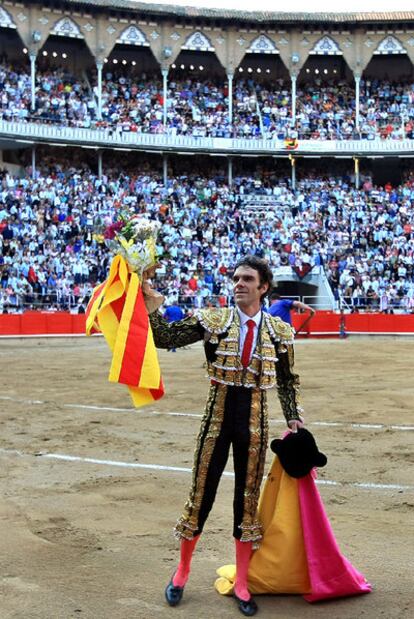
(279, 565)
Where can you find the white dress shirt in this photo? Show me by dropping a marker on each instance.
(244, 328)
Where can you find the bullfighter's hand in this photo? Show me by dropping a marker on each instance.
(153, 299)
(295, 424)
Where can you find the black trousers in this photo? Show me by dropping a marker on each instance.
(234, 431)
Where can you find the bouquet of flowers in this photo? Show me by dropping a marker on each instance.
(127, 327)
(133, 237)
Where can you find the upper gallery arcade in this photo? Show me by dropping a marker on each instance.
(226, 38)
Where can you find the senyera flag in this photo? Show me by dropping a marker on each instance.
(117, 309)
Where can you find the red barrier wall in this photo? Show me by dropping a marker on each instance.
(42, 323)
(324, 323)
(329, 323)
(379, 323)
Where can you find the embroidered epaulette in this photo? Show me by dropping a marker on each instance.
(215, 321)
(279, 330)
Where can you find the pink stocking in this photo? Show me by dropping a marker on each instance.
(186, 554)
(244, 552)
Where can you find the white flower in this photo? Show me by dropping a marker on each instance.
(140, 251)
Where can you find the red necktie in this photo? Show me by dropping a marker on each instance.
(248, 343)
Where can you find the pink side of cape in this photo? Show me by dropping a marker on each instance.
(331, 575)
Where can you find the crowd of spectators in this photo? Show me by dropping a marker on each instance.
(53, 250)
(60, 98)
(199, 106)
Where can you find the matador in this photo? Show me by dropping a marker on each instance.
(248, 352)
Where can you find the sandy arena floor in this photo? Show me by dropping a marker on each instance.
(87, 540)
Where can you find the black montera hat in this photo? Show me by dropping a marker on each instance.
(298, 453)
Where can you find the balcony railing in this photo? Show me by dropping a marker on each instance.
(29, 133)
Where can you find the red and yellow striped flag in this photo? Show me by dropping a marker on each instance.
(117, 309)
(291, 143)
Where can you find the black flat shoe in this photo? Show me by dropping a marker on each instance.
(249, 608)
(173, 594)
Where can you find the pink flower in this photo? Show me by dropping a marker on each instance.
(112, 230)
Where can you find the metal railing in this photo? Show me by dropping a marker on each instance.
(38, 301)
(116, 138)
(255, 201)
(68, 302)
(369, 304)
(317, 302)
(62, 302)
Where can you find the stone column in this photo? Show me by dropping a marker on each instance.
(100, 157)
(293, 92)
(230, 104)
(33, 162)
(164, 95)
(293, 175)
(230, 171)
(33, 80)
(357, 97)
(99, 67)
(165, 169)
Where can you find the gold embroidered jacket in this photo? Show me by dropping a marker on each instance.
(271, 363)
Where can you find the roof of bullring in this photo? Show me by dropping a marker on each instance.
(172, 10)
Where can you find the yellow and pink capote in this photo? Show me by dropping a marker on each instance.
(117, 310)
(298, 553)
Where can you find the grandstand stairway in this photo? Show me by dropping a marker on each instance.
(313, 288)
(255, 202)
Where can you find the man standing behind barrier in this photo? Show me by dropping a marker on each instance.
(172, 313)
(248, 351)
(282, 307)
